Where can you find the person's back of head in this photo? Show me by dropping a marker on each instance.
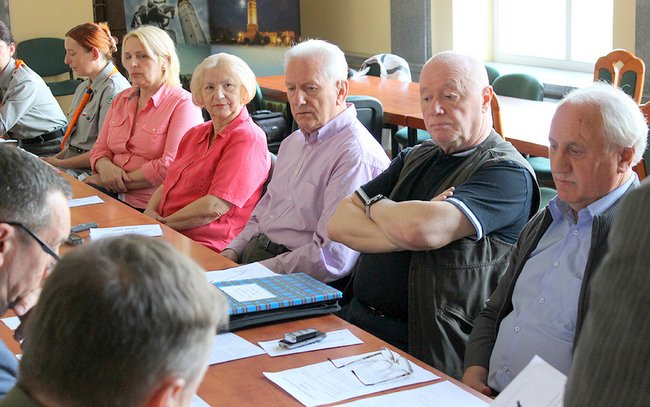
(121, 322)
(25, 185)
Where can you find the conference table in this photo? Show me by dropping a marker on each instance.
(239, 382)
(525, 122)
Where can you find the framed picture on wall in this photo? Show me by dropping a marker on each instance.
(186, 21)
(274, 23)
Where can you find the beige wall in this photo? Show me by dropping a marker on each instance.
(348, 23)
(624, 24)
(50, 18)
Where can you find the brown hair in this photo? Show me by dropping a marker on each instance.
(95, 35)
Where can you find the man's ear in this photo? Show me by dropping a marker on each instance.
(7, 241)
(625, 157)
(167, 394)
(343, 87)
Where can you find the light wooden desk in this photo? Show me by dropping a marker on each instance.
(525, 123)
(239, 382)
(399, 99)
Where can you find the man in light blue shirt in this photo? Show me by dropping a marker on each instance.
(597, 135)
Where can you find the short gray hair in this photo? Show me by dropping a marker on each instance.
(25, 185)
(335, 67)
(623, 122)
(243, 73)
(115, 319)
(159, 46)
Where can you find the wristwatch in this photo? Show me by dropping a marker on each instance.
(367, 201)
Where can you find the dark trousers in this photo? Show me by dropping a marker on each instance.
(254, 251)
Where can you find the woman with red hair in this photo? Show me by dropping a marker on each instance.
(89, 48)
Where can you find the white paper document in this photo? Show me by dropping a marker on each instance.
(228, 346)
(145, 230)
(247, 292)
(245, 272)
(198, 402)
(11, 322)
(333, 339)
(537, 385)
(443, 394)
(322, 383)
(89, 200)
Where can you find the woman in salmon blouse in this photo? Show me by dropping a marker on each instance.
(217, 177)
(145, 123)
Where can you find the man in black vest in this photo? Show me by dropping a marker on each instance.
(430, 264)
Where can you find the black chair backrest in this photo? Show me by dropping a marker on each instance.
(370, 113)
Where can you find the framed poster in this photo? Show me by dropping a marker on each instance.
(186, 21)
(273, 23)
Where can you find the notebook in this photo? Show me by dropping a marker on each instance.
(262, 300)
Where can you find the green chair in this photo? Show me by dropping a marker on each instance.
(545, 195)
(46, 57)
(519, 85)
(492, 72)
(525, 86)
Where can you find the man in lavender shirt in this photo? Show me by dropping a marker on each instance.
(597, 135)
(318, 165)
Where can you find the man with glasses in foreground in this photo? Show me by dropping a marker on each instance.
(34, 221)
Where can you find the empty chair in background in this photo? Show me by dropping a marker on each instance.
(623, 69)
(525, 86)
(519, 85)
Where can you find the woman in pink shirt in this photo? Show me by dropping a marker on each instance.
(217, 177)
(145, 123)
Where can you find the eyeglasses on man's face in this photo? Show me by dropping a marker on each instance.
(46, 248)
(396, 366)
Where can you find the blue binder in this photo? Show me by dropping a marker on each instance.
(294, 295)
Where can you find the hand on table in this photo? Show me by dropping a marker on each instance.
(476, 378)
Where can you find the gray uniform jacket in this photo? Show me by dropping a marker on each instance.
(486, 326)
(106, 85)
(27, 107)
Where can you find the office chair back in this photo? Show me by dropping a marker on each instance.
(492, 72)
(519, 85)
(623, 69)
(370, 113)
(46, 57)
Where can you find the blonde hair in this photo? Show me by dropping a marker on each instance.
(222, 60)
(160, 46)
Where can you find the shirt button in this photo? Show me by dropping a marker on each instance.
(556, 263)
(576, 232)
(271, 216)
(517, 329)
(541, 300)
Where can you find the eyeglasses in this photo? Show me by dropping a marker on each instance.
(46, 248)
(397, 367)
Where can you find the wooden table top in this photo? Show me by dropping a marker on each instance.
(525, 122)
(239, 382)
(399, 99)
